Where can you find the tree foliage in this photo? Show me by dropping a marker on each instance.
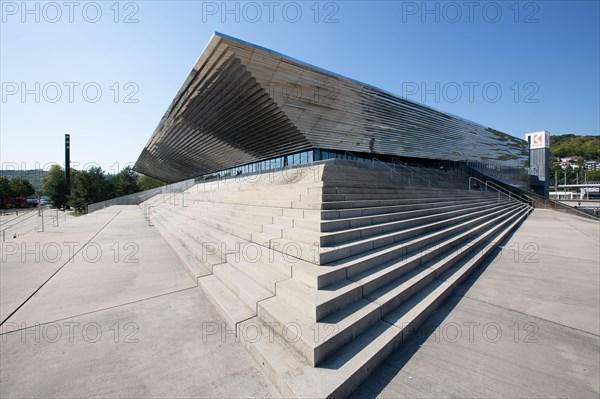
(6, 190)
(88, 187)
(148, 183)
(126, 182)
(570, 145)
(22, 187)
(54, 185)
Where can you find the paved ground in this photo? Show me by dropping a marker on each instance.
(526, 325)
(121, 318)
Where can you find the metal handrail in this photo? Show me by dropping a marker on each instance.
(522, 198)
(500, 190)
(402, 165)
(24, 212)
(428, 174)
(392, 170)
(162, 198)
(407, 168)
(46, 222)
(22, 220)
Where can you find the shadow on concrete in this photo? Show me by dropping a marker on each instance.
(380, 379)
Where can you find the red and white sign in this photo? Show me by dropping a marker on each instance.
(538, 140)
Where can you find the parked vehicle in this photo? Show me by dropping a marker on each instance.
(7, 203)
(32, 202)
(20, 202)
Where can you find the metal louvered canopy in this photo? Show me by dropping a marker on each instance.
(242, 103)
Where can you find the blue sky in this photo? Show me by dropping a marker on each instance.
(105, 72)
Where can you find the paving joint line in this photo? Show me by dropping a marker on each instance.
(60, 268)
(527, 314)
(100, 310)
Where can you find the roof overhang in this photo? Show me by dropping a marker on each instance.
(243, 103)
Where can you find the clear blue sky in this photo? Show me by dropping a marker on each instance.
(543, 56)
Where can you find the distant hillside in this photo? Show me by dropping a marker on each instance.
(34, 176)
(570, 145)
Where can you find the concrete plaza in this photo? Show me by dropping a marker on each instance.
(122, 318)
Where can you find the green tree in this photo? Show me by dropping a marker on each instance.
(148, 183)
(54, 185)
(6, 189)
(569, 145)
(593, 175)
(89, 187)
(126, 182)
(22, 187)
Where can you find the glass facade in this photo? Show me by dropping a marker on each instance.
(299, 158)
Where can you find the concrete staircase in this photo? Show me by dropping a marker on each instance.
(324, 270)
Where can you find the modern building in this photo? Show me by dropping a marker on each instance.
(353, 247)
(245, 108)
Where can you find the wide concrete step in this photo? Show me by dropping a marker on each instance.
(319, 276)
(339, 374)
(327, 215)
(185, 249)
(249, 291)
(323, 255)
(340, 195)
(234, 214)
(262, 210)
(392, 291)
(337, 377)
(365, 261)
(349, 188)
(261, 264)
(317, 340)
(219, 230)
(316, 304)
(223, 217)
(392, 215)
(230, 307)
(338, 205)
(247, 222)
(356, 233)
(212, 241)
(378, 226)
(374, 278)
(423, 178)
(265, 267)
(412, 312)
(282, 195)
(262, 183)
(319, 303)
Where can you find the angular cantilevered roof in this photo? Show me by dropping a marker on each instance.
(243, 103)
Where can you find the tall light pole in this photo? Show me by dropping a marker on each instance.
(68, 161)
